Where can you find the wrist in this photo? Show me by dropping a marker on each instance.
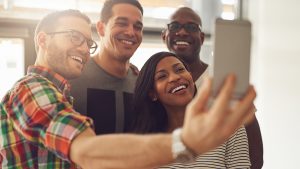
(181, 152)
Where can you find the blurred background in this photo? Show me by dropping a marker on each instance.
(275, 56)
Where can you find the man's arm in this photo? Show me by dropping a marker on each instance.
(203, 130)
(121, 150)
(255, 144)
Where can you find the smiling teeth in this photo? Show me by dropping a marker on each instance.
(182, 43)
(79, 59)
(127, 42)
(178, 88)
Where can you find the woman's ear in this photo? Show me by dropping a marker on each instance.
(152, 95)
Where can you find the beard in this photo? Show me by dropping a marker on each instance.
(55, 58)
(58, 61)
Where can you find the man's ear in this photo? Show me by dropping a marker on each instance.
(42, 40)
(202, 36)
(152, 95)
(163, 35)
(100, 26)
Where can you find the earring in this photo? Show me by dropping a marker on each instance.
(154, 99)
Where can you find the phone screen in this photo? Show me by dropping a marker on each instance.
(232, 45)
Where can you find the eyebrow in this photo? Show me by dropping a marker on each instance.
(176, 64)
(121, 19)
(88, 38)
(173, 66)
(126, 19)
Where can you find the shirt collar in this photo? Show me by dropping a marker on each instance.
(60, 82)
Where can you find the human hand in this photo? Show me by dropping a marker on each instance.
(206, 128)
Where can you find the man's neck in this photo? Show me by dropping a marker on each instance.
(112, 66)
(197, 68)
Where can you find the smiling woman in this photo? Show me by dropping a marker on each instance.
(163, 90)
(154, 95)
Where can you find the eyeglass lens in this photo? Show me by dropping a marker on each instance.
(189, 27)
(78, 39)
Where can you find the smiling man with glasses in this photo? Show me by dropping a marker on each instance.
(38, 122)
(184, 37)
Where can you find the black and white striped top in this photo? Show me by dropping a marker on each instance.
(234, 153)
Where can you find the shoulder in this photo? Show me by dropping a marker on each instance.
(30, 91)
(33, 86)
(132, 74)
(240, 134)
(241, 131)
(237, 150)
(31, 82)
(134, 69)
(238, 141)
(200, 80)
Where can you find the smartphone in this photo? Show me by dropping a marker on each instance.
(231, 54)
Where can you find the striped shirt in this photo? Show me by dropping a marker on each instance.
(38, 122)
(234, 153)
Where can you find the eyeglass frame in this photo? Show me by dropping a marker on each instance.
(93, 45)
(184, 26)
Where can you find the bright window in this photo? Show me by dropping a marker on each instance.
(11, 62)
(145, 51)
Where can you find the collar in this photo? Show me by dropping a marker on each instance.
(60, 82)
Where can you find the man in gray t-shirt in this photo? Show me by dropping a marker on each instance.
(104, 90)
(104, 98)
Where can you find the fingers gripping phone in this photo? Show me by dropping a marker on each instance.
(232, 45)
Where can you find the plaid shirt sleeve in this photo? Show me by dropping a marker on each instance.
(43, 116)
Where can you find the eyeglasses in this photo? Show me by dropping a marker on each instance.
(188, 27)
(77, 38)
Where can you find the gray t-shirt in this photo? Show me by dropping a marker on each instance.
(104, 98)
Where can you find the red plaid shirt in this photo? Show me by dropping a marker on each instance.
(38, 122)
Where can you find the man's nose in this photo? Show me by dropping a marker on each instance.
(130, 30)
(181, 31)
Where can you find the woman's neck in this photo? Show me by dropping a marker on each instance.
(175, 118)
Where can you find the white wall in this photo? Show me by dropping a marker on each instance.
(276, 74)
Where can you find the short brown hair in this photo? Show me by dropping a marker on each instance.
(106, 11)
(50, 22)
